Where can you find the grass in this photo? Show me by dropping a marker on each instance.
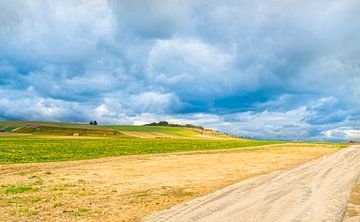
(81, 212)
(70, 129)
(156, 129)
(27, 211)
(49, 124)
(32, 149)
(48, 129)
(18, 189)
(7, 128)
(62, 131)
(57, 129)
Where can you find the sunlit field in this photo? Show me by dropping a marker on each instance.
(28, 149)
(128, 188)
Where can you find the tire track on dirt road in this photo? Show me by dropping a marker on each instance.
(315, 191)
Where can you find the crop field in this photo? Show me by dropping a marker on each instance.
(57, 129)
(74, 129)
(30, 149)
(158, 129)
(16, 124)
(62, 131)
(7, 128)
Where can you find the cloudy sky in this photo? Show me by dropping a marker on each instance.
(270, 69)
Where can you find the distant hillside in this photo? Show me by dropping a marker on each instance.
(165, 123)
(156, 130)
(199, 129)
(56, 129)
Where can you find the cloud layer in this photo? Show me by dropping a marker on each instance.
(264, 69)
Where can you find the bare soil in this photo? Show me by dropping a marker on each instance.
(129, 188)
(353, 208)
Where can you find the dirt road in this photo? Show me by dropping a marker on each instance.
(315, 191)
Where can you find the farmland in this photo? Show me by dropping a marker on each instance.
(57, 129)
(33, 149)
(158, 129)
(27, 142)
(77, 172)
(46, 129)
(127, 188)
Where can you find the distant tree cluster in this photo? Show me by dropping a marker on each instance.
(165, 123)
(206, 131)
(93, 122)
(161, 123)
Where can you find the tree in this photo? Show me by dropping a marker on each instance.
(93, 122)
(163, 123)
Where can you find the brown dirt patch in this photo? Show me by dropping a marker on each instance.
(13, 134)
(353, 210)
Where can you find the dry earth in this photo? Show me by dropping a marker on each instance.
(129, 188)
(315, 191)
(149, 135)
(152, 135)
(353, 209)
(13, 134)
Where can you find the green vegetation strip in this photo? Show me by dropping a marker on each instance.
(155, 129)
(27, 150)
(18, 189)
(7, 128)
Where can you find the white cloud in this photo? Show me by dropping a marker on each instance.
(341, 134)
(267, 69)
(189, 66)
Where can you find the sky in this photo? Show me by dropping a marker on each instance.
(266, 69)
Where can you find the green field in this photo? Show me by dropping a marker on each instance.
(30, 149)
(63, 131)
(57, 129)
(69, 129)
(155, 129)
(7, 128)
(45, 141)
(49, 124)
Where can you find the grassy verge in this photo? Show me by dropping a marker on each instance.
(28, 149)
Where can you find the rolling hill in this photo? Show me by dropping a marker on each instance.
(79, 130)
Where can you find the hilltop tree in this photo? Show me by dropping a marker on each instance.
(163, 123)
(93, 122)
